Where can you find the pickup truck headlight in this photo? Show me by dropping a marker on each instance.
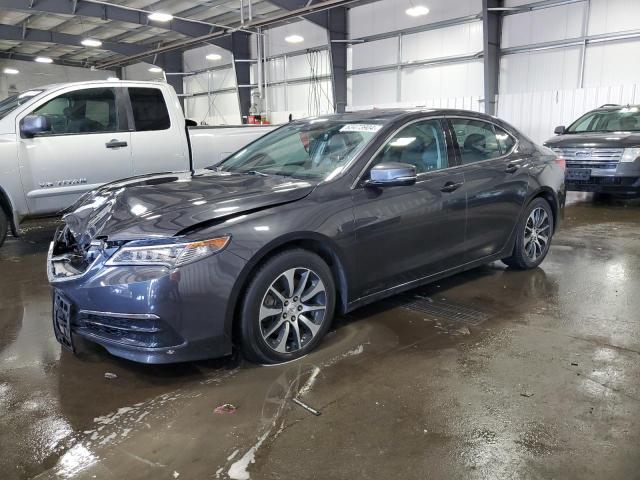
(630, 154)
(171, 255)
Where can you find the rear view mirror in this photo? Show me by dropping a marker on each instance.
(190, 123)
(560, 130)
(392, 174)
(33, 125)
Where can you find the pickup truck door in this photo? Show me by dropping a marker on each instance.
(88, 145)
(158, 133)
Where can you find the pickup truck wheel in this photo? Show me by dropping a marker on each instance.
(4, 226)
(534, 234)
(288, 307)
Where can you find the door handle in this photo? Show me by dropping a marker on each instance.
(115, 144)
(511, 168)
(451, 187)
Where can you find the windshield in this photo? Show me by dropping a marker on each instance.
(317, 149)
(8, 104)
(626, 119)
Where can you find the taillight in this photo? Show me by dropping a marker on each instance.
(561, 162)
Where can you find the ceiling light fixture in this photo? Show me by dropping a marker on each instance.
(91, 42)
(43, 60)
(294, 39)
(417, 11)
(213, 57)
(11, 71)
(160, 17)
(155, 70)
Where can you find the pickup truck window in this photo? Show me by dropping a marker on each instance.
(149, 109)
(8, 104)
(93, 110)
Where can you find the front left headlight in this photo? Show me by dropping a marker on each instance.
(630, 154)
(172, 255)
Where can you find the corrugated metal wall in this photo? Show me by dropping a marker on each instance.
(538, 113)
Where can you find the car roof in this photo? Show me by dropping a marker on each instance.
(57, 86)
(387, 115)
(613, 108)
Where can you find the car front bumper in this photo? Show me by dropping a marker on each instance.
(623, 178)
(153, 314)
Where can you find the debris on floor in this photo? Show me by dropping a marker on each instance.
(574, 364)
(526, 394)
(110, 376)
(225, 409)
(463, 331)
(306, 407)
(175, 474)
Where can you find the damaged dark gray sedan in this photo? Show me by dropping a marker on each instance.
(316, 218)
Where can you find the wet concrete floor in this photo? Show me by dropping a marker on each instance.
(491, 374)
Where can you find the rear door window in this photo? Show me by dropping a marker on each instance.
(149, 109)
(477, 140)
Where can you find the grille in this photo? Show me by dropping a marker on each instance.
(593, 157)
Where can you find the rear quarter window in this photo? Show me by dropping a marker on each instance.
(149, 109)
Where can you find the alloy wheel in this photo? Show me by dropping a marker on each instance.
(293, 310)
(536, 233)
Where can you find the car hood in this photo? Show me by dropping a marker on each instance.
(595, 140)
(166, 205)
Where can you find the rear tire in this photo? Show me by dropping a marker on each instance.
(288, 307)
(533, 238)
(4, 226)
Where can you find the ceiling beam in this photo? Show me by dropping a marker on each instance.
(18, 33)
(30, 58)
(319, 18)
(107, 11)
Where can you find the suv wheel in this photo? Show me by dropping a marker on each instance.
(535, 231)
(4, 226)
(288, 307)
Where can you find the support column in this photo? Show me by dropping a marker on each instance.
(171, 62)
(337, 34)
(492, 31)
(241, 53)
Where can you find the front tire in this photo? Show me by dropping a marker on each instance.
(287, 308)
(4, 226)
(533, 239)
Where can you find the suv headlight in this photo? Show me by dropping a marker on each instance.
(172, 255)
(630, 154)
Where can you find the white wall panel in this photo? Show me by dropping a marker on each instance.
(300, 66)
(211, 80)
(373, 54)
(444, 42)
(614, 16)
(544, 25)
(538, 113)
(217, 109)
(453, 80)
(374, 88)
(389, 15)
(540, 70)
(275, 44)
(611, 64)
(196, 59)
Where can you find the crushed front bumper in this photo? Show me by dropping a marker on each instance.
(153, 314)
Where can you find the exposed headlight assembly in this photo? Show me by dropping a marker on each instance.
(630, 154)
(172, 255)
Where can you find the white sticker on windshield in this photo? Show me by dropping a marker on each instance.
(361, 127)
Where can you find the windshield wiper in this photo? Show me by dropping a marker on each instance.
(255, 172)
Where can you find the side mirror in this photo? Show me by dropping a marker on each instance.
(560, 130)
(32, 125)
(392, 174)
(190, 123)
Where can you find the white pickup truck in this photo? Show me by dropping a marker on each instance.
(60, 141)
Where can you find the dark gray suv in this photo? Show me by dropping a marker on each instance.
(320, 216)
(602, 150)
